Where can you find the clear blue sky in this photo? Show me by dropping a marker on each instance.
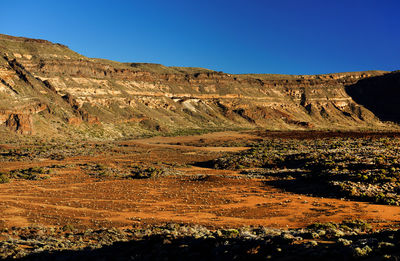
(234, 36)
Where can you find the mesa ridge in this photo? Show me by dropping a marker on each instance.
(48, 89)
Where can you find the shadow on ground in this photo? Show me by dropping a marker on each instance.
(304, 186)
(279, 247)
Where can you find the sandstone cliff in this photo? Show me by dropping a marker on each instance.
(47, 88)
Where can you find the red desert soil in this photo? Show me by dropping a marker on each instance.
(73, 197)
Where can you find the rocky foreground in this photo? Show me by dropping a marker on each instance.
(348, 240)
(202, 205)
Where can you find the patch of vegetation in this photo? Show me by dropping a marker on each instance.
(34, 173)
(191, 132)
(4, 178)
(347, 225)
(200, 177)
(349, 240)
(101, 171)
(366, 169)
(54, 150)
(219, 143)
(188, 132)
(127, 172)
(141, 172)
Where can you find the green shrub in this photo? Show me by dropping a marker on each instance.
(140, 172)
(4, 178)
(34, 173)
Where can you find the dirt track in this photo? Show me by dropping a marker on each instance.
(223, 199)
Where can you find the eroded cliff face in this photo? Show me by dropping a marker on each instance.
(77, 91)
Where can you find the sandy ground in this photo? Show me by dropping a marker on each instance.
(222, 199)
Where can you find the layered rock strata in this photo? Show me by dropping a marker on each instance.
(76, 91)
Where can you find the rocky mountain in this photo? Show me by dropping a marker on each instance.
(48, 89)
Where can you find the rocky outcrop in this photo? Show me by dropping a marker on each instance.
(20, 118)
(20, 123)
(80, 91)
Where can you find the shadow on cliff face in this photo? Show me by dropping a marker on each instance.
(380, 95)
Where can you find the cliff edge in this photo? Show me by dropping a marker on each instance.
(48, 89)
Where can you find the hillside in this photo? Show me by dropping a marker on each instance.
(48, 90)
